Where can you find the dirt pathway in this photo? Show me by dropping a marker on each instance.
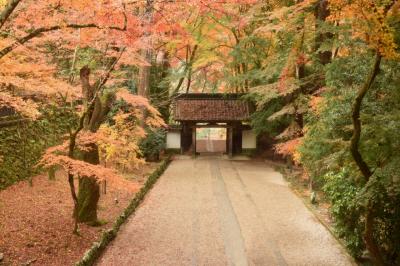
(212, 211)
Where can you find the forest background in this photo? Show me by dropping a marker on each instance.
(88, 87)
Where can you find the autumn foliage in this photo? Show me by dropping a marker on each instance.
(323, 75)
(118, 143)
(40, 57)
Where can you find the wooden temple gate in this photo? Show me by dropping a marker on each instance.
(202, 110)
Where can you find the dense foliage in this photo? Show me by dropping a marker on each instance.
(331, 101)
(325, 153)
(22, 144)
(153, 144)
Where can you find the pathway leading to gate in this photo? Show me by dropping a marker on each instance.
(212, 211)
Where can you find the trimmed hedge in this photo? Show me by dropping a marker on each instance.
(97, 248)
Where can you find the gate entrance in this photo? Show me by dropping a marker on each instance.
(211, 140)
(210, 123)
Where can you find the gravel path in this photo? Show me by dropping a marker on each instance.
(212, 211)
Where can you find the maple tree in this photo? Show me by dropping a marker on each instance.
(23, 22)
(198, 40)
(106, 24)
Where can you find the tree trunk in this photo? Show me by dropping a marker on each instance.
(144, 75)
(75, 200)
(189, 81)
(85, 204)
(321, 13)
(89, 190)
(369, 240)
(355, 139)
(144, 71)
(97, 109)
(88, 198)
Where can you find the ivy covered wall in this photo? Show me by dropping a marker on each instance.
(22, 144)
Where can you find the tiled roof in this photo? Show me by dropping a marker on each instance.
(210, 109)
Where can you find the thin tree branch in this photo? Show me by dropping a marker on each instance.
(7, 11)
(37, 32)
(105, 78)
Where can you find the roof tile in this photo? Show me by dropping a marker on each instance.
(216, 110)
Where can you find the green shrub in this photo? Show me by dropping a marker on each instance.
(349, 201)
(153, 144)
(342, 193)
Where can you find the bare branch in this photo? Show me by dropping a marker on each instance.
(37, 32)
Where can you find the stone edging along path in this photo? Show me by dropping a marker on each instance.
(98, 247)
